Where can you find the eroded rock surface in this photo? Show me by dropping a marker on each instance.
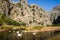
(32, 15)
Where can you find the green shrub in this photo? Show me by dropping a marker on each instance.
(40, 15)
(33, 13)
(34, 21)
(33, 9)
(23, 23)
(22, 14)
(39, 23)
(2, 18)
(42, 23)
(30, 22)
(56, 24)
(6, 20)
(12, 22)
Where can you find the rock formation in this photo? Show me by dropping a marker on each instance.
(32, 15)
(4, 7)
(55, 14)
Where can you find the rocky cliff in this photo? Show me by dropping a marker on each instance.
(55, 14)
(32, 15)
(4, 7)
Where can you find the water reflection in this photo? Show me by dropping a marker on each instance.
(24, 35)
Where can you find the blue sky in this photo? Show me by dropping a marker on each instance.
(45, 4)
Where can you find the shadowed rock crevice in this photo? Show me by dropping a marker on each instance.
(57, 21)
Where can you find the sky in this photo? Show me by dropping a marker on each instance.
(45, 4)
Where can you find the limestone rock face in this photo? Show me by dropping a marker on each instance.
(32, 15)
(55, 14)
(4, 7)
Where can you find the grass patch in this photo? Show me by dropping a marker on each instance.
(37, 28)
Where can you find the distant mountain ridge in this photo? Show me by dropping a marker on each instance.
(55, 14)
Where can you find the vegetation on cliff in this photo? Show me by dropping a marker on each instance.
(4, 20)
